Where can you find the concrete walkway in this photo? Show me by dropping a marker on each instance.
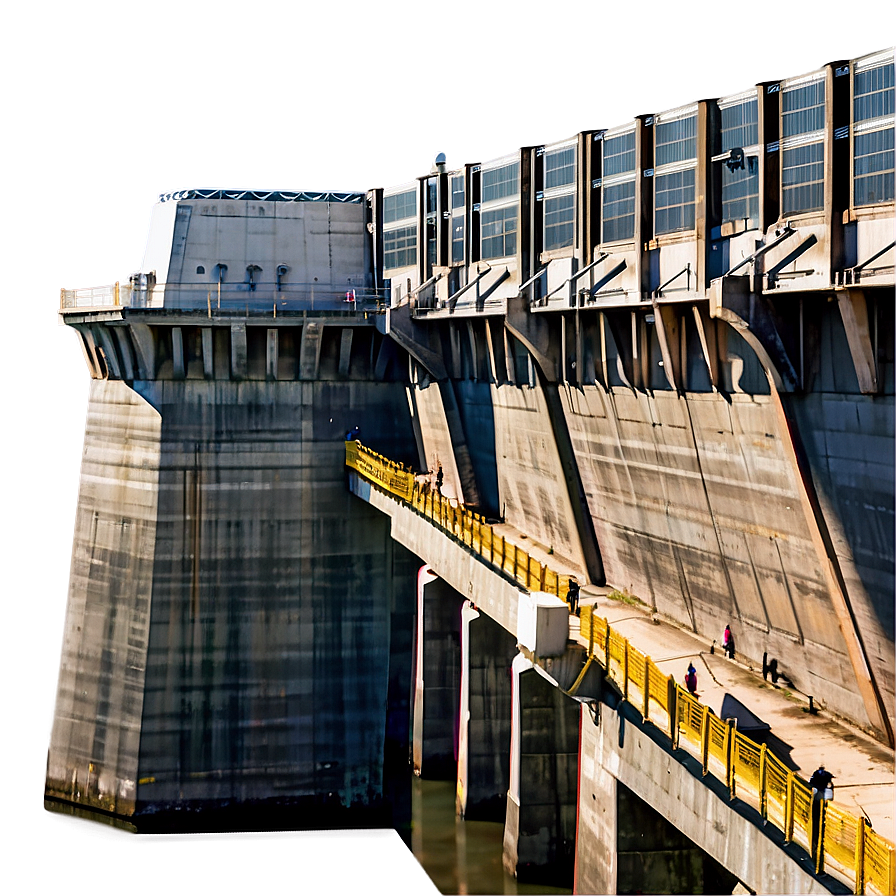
(863, 768)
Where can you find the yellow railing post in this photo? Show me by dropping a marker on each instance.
(646, 688)
(704, 739)
(672, 700)
(788, 809)
(763, 771)
(730, 735)
(625, 669)
(591, 634)
(819, 843)
(860, 855)
(117, 299)
(607, 650)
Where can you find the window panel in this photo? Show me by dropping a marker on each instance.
(400, 247)
(457, 192)
(676, 141)
(873, 93)
(740, 187)
(457, 238)
(560, 167)
(432, 194)
(618, 211)
(619, 154)
(499, 183)
(874, 167)
(802, 175)
(674, 201)
(740, 125)
(498, 232)
(399, 206)
(559, 222)
(802, 109)
(740, 192)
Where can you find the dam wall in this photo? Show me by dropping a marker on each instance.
(240, 629)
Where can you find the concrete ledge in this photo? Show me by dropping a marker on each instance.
(452, 561)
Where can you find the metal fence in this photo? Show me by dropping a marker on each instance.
(837, 841)
(233, 298)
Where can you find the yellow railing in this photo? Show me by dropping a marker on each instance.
(466, 525)
(836, 840)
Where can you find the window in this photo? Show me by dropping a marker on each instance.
(673, 187)
(676, 140)
(618, 211)
(802, 177)
(558, 200)
(400, 229)
(874, 167)
(499, 210)
(674, 200)
(802, 158)
(740, 182)
(400, 247)
(559, 221)
(432, 195)
(560, 167)
(618, 187)
(500, 183)
(873, 109)
(802, 109)
(458, 211)
(399, 206)
(498, 228)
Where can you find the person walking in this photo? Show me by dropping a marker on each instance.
(572, 595)
(690, 680)
(822, 783)
(728, 643)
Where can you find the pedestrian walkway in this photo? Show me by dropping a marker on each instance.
(863, 768)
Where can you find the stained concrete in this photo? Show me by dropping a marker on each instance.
(232, 608)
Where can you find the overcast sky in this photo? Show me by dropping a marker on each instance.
(106, 105)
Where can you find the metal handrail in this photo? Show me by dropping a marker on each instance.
(763, 778)
(262, 296)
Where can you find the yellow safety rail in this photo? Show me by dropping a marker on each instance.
(878, 866)
(459, 521)
(845, 843)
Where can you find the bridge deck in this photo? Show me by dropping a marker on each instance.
(863, 768)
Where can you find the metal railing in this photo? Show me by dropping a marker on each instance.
(838, 842)
(232, 298)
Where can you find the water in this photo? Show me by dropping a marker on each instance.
(460, 857)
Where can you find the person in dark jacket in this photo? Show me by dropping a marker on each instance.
(572, 596)
(821, 783)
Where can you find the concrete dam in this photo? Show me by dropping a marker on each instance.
(345, 454)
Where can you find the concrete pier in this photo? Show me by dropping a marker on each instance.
(483, 762)
(540, 829)
(437, 684)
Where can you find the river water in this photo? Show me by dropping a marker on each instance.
(460, 857)
(105, 856)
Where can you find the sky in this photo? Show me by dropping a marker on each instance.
(107, 105)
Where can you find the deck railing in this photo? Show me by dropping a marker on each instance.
(227, 297)
(839, 843)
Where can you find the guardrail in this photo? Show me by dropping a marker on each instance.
(839, 843)
(465, 525)
(237, 297)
